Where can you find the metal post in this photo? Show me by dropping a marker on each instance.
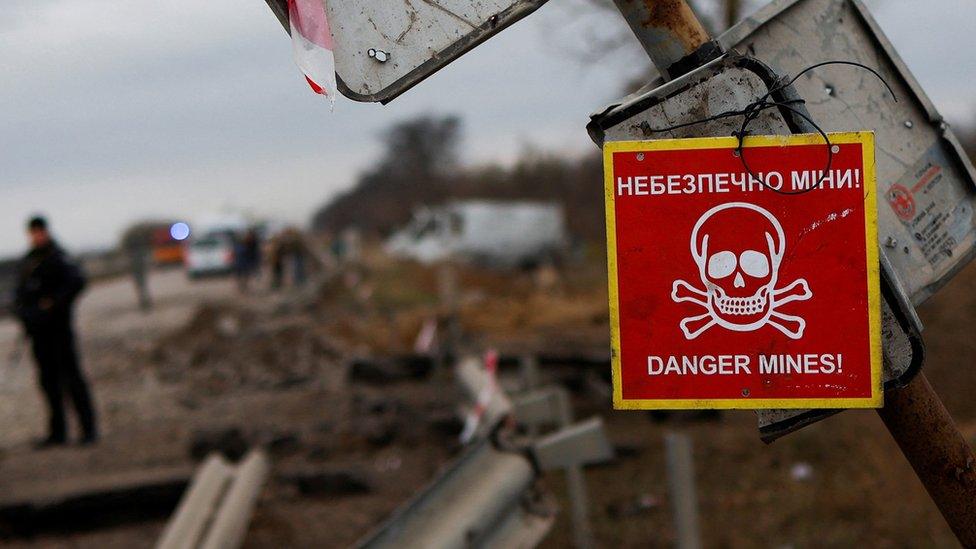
(576, 484)
(681, 486)
(667, 29)
(940, 455)
(449, 298)
(529, 366)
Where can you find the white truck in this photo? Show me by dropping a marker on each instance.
(502, 233)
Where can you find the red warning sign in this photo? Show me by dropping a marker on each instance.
(736, 287)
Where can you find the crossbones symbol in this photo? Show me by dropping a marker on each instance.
(738, 248)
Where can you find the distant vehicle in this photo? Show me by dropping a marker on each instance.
(209, 251)
(154, 239)
(166, 250)
(211, 254)
(503, 233)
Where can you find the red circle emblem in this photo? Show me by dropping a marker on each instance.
(902, 201)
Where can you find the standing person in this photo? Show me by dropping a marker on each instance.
(47, 286)
(298, 262)
(277, 255)
(293, 248)
(247, 259)
(138, 252)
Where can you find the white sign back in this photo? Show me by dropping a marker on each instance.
(384, 47)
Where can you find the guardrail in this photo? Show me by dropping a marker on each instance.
(489, 497)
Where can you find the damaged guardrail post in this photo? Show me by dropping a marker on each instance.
(551, 406)
(579, 444)
(487, 497)
(570, 449)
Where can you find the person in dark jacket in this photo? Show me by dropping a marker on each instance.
(48, 285)
(247, 259)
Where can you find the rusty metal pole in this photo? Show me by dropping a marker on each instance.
(667, 29)
(940, 455)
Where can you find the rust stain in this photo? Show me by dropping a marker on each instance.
(412, 15)
(676, 16)
(453, 14)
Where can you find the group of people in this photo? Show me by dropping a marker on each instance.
(287, 251)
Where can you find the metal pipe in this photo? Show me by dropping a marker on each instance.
(230, 524)
(940, 455)
(681, 486)
(667, 29)
(197, 504)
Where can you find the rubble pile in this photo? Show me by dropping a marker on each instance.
(225, 348)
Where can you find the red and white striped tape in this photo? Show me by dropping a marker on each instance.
(311, 40)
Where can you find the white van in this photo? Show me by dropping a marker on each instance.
(210, 255)
(210, 249)
(504, 233)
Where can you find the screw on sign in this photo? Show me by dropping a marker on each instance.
(735, 287)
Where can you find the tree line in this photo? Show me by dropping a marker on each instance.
(421, 165)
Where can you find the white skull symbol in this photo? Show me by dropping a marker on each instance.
(739, 248)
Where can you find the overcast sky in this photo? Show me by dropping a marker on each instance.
(116, 111)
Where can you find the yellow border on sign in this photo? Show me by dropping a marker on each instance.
(866, 139)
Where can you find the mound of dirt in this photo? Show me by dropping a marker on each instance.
(224, 348)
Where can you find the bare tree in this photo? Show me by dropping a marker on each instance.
(418, 164)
